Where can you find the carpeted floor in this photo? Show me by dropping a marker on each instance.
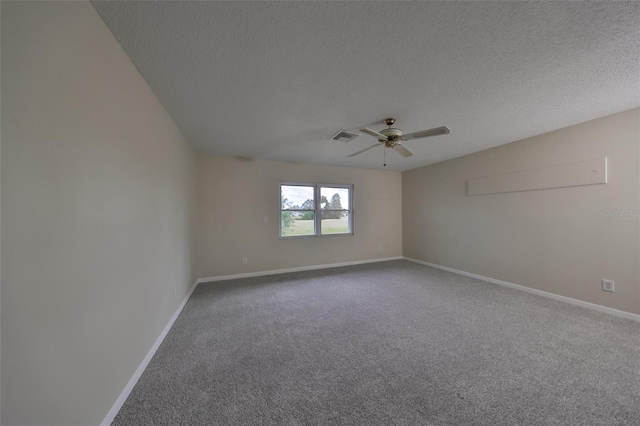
(391, 343)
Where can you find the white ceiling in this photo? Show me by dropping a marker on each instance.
(277, 80)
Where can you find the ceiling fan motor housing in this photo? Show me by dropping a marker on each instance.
(393, 135)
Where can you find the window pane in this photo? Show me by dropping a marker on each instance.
(335, 222)
(334, 198)
(296, 197)
(297, 223)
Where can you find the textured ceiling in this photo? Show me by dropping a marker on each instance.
(277, 80)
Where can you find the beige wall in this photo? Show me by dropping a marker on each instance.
(235, 194)
(556, 240)
(96, 204)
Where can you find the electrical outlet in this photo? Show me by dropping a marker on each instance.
(266, 219)
(380, 247)
(245, 260)
(608, 285)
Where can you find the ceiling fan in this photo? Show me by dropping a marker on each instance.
(392, 137)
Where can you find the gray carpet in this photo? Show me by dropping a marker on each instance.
(391, 343)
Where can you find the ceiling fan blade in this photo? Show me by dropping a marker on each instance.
(363, 150)
(426, 133)
(373, 133)
(402, 150)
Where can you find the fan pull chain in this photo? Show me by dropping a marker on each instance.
(385, 156)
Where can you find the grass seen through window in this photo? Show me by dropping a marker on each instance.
(329, 226)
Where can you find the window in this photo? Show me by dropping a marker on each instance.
(313, 209)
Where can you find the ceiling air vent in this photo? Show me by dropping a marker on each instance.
(344, 136)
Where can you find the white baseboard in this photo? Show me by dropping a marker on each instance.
(600, 308)
(302, 268)
(143, 365)
(145, 362)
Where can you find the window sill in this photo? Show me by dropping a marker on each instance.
(296, 237)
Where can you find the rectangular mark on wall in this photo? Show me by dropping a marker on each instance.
(588, 172)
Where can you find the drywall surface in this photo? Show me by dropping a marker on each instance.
(561, 240)
(97, 208)
(234, 196)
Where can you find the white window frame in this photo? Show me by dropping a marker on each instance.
(317, 209)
